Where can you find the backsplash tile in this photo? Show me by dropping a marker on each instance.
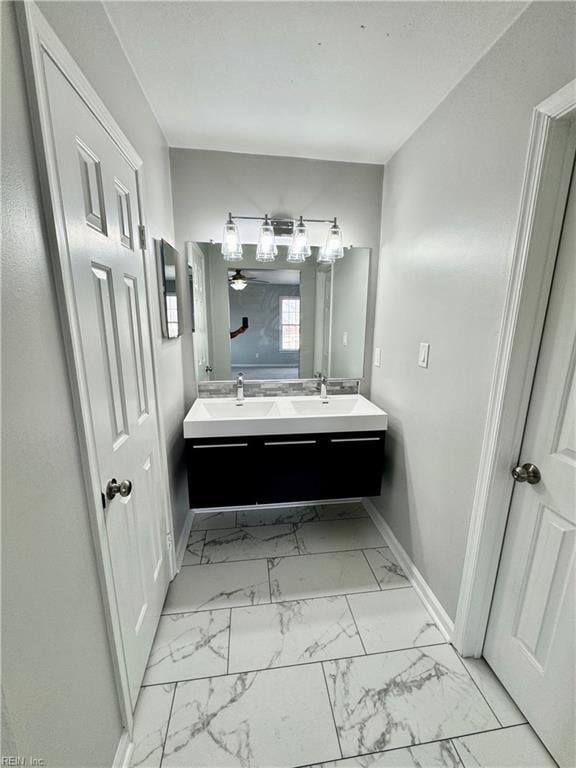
(277, 388)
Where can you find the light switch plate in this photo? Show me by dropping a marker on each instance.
(377, 356)
(423, 354)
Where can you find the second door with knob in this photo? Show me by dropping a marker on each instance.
(530, 642)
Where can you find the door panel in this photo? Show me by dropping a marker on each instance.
(199, 301)
(530, 641)
(99, 195)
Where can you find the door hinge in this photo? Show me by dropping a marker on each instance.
(169, 540)
(142, 236)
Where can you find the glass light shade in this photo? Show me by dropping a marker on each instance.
(238, 284)
(324, 257)
(299, 249)
(334, 246)
(231, 245)
(266, 250)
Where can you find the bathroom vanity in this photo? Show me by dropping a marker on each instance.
(273, 450)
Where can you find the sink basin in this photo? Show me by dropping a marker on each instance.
(221, 417)
(231, 410)
(336, 406)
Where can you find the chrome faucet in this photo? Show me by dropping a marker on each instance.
(240, 389)
(323, 389)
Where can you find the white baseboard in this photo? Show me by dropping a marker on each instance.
(428, 597)
(123, 755)
(183, 540)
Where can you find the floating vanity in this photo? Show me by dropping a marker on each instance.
(269, 450)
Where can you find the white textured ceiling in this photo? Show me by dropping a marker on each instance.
(329, 80)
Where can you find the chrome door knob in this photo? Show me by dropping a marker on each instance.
(124, 488)
(527, 473)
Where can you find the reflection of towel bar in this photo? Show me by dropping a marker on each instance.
(354, 439)
(223, 445)
(292, 442)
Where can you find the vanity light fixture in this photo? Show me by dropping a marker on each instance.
(231, 245)
(282, 226)
(266, 250)
(299, 249)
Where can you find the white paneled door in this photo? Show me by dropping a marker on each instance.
(530, 642)
(100, 209)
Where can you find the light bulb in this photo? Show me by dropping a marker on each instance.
(231, 245)
(266, 250)
(334, 247)
(299, 249)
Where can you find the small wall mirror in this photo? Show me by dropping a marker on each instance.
(278, 320)
(167, 259)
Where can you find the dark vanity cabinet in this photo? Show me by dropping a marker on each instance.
(273, 469)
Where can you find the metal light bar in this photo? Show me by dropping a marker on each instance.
(283, 218)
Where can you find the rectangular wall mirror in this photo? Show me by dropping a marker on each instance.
(167, 260)
(278, 320)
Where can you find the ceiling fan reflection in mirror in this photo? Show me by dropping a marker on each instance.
(238, 281)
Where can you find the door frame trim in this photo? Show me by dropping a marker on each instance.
(38, 39)
(543, 200)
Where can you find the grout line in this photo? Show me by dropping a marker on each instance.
(306, 554)
(229, 641)
(418, 744)
(332, 710)
(355, 623)
(478, 687)
(168, 723)
(372, 570)
(295, 530)
(269, 582)
(286, 600)
(309, 663)
(453, 743)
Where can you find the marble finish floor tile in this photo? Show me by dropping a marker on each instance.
(403, 698)
(393, 619)
(494, 692)
(249, 543)
(189, 645)
(338, 535)
(297, 632)
(150, 725)
(342, 511)
(516, 747)
(277, 717)
(222, 585)
(439, 754)
(277, 516)
(386, 568)
(193, 554)
(205, 521)
(336, 573)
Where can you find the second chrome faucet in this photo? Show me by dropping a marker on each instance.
(240, 389)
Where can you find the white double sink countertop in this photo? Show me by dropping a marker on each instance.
(225, 417)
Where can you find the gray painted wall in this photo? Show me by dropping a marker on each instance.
(206, 185)
(449, 211)
(60, 694)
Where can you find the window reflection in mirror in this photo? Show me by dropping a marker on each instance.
(278, 320)
(167, 258)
